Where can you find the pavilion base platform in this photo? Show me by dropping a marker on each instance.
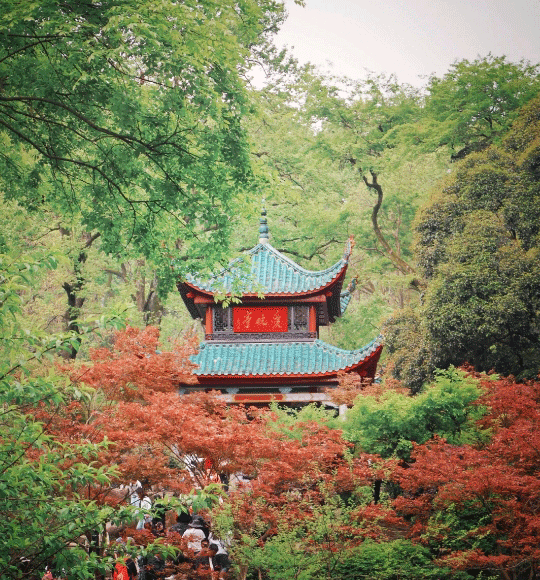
(290, 395)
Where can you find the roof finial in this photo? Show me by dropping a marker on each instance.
(349, 248)
(263, 227)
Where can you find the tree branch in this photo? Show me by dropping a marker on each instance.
(398, 262)
(28, 46)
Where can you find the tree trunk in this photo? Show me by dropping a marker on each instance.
(73, 291)
(377, 491)
(147, 299)
(398, 262)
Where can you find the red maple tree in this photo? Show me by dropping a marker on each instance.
(479, 505)
(183, 442)
(475, 506)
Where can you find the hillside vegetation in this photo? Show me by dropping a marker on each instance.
(135, 149)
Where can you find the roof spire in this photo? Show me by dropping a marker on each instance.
(263, 227)
(349, 248)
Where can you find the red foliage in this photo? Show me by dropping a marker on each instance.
(180, 442)
(136, 364)
(351, 386)
(500, 479)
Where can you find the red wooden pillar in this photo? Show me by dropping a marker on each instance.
(208, 321)
(312, 318)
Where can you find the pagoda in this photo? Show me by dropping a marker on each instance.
(266, 347)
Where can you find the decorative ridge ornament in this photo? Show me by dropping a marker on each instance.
(264, 234)
(352, 284)
(345, 297)
(349, 245)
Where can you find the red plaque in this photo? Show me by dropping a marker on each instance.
(267, 319)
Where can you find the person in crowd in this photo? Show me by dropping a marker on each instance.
(120, 571)
(134, 498)
(95, 542)
(221, 556)
(146, 505)
(121, 543)
(154, 567)
(160, 509)
(119, 535)
(141, 565)
(158, 530)
(204, 525)
(131, 567)
(204, 560)
(194, 536)
(182, 522)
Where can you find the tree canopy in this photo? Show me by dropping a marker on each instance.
(477, 246)
(127, 116)
(475, 102)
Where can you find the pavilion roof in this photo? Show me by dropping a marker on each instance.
(267, 359)
(270, 273)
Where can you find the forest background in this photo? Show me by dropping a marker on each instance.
(135, 149)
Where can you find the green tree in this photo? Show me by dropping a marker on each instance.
(407, 343)
(478, 247)
(85, 285)
(391, 423)
(315, 138)
(393, 560)
(483, 305)
(126, 115)
(475, 102)
(43, 506)
(357, 122)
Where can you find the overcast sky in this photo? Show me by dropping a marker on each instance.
(411, 38)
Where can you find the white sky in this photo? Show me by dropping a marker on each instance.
(411, 38)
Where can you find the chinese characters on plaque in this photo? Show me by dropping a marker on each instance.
(268, 319)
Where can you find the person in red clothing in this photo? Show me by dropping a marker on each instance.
(131, 568)
(120, 571)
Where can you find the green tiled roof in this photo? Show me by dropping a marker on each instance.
(275, 358)
(271, 273)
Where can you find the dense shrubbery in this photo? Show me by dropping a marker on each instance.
(478, 247)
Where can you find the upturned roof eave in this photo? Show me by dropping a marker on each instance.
(336, 271)
(306, 293)
(371, 358)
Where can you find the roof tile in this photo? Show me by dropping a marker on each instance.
(271, 273)
(273, 358)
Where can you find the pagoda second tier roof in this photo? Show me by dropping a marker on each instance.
(271, 273)
(315, 358)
